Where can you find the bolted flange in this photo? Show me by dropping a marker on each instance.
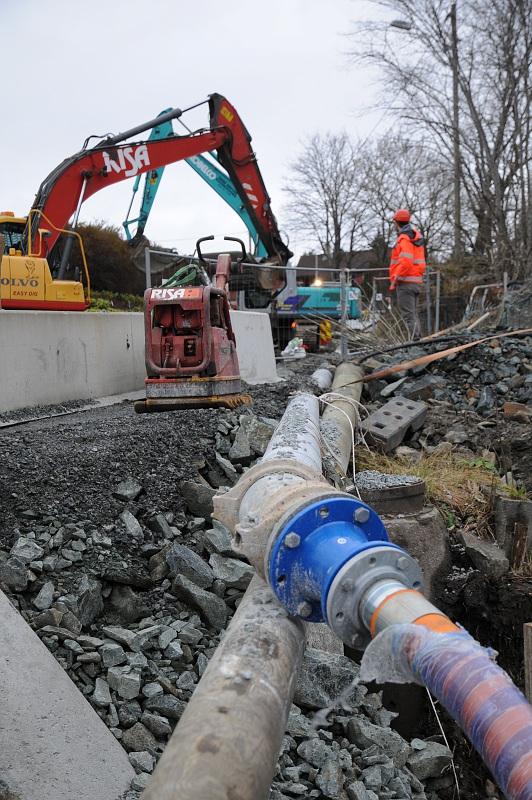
(310, 545)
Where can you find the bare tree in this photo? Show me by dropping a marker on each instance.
(323, 188)
(399, 172)
(490, 58)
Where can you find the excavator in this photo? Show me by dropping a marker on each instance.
(295, 310)
(191, 357)
(35, 274)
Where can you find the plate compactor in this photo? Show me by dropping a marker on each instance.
(191, 358)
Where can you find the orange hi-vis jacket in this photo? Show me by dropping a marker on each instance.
(407, 263)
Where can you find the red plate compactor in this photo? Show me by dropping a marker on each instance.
(191, 358)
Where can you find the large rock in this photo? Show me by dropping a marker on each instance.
(425, 537)
(261, 431)
(365, 734)
(132, 525)
(138, 738)
(198, 497)
(90, 600)
(183, 561)
(125, 681)
(159, 726)
(324, 677)
(486, 557)
(45, 598)
(128, 490)
(212, 607)
(26, 550)
(235, 574)
(330, 780)
(240, 450)
(160, 524)
(218, 540)
(431, 761)
(14, 574)
(165, 705)
(315, 752)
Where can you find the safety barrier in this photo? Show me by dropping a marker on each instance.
(49, 357)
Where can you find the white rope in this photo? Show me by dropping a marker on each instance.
(445, 740)
(328, 399)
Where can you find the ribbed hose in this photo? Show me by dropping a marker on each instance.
(477, 693)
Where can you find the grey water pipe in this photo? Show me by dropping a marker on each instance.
(228, 740)
(227, 743)
(336, 417)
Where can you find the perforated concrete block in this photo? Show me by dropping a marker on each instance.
(387, 427)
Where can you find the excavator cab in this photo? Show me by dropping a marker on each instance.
(26, 280)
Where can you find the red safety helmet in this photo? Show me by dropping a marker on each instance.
(402, 215)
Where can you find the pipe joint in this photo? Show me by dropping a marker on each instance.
(324, 556)
(251, 523)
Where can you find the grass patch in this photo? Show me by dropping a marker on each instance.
(463, 490)
(462, 487)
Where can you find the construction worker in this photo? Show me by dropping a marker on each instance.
(407, 267)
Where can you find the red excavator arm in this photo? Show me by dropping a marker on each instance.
(240, 162)
(90, 170)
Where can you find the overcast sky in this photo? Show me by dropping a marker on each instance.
(74, 67)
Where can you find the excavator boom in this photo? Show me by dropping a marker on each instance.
(80, 176)
(84, 174)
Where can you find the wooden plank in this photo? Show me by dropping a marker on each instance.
(527, 637)
(519, 545)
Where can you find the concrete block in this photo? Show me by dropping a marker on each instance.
(254, 345)
(391, 494)
(387, 427)
(425, 537)
(55, 356)
(52, 742)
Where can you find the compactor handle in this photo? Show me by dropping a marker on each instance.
(198, 248)
(242, 246)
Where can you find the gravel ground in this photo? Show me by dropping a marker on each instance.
(113, 561)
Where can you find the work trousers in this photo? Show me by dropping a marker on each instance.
(407, 300)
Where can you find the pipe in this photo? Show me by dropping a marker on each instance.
(371, 587)
(322, 378)
(228, 740)
(296, 438)
(335, 427)
(478, 694)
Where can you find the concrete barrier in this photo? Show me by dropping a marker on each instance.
(52, 743)
(254, 344)
(49, 357)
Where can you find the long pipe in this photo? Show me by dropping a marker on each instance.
(296, 438)
(339, 418)
(228, 740)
